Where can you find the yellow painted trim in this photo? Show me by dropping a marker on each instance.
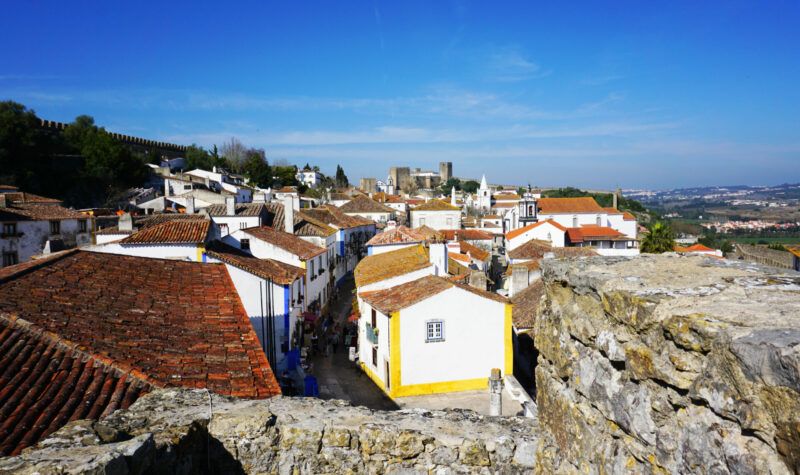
(302, 264)
(200, 250)
(394, 352)
(443, 387)
(508, 340)
(374, 377)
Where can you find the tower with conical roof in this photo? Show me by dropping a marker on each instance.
(484, 196)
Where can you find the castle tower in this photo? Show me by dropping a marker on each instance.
(445, 171)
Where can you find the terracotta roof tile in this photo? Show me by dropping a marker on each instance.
(288, 242)
(304, 224)
(407, 294)
(277, 271)
(568, 205)
(333, 216)
(364, 204)
(188, 231)
(466, 235)
(383, 266)
(436, 205)
(172, 323)
(398, 235)
(474, 251)
(144, 222)
(536, 249)
(240, 209)
(34, 212)
(527, 305)
(23, 197)
(46, 381)
(525, 229)
(626, 216)
(594, 233)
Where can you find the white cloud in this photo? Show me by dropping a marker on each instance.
(509, 64)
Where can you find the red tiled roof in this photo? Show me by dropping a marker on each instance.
(523, 230)
(46, 381)
(23, 197)
(364, 204)
(461, 258)
(84, 333)
(407, 294)
(694, 248)
(611, 210)
(626, 216)
(34, 212)
(277, 271)
(304, 224)
(527, 305)
(466, 235)
(185, 231)
(474, 251)
(436, 205)
(239, 209)
(594, 233)
(568, 205)
(398, 235)
(536, 249)
(386, 265)
(333, 216)
(288, 242)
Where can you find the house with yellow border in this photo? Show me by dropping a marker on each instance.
(433, 335)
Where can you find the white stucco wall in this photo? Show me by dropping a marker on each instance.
(34, 235)
(377, 217)
(397, 280)
(436, 219)
(541, 232)
(567, 219)
(183, 252)
(474, 338)
(374, 250)
(233, 223)
(365, 346)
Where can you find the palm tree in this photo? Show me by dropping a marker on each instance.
(659, 239)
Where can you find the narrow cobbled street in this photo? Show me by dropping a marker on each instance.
(337, 376)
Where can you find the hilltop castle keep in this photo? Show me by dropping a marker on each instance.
(401, 178)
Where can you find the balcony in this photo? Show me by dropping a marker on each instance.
(372, 334)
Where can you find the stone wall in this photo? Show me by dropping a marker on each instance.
(765, 255)
(189, 431)
(668, 364)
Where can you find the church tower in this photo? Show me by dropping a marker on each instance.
(527, 208)
(484, 196)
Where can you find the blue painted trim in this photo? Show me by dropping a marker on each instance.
(287, 295)
(341, 242)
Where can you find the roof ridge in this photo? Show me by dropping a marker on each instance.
(30, 266)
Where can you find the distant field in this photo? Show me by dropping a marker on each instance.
(770, 240)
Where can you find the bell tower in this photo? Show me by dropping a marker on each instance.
(527, 208)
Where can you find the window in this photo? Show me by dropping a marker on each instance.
(312, 268)
(374, 319)
(574, 221)
(449, 222)
(55, 227)
(375, 356)
(10, 258)
(434, 331)
(244, 244)
(599, 222)
(9, 229)
(243, 225)
(187, 187)
(82, 226)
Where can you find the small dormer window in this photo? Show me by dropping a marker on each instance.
(82, 226)
(599, 221)
(55, 227)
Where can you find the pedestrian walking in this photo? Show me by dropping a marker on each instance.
(335, 338)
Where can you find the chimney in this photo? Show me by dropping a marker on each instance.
(288, 214)
(295, 202)
(453, 196)
(438, 257)
(230, 206)
(214, 169)
(615, 200)
(166, 188)
(125, 222)
(190, 205)
(477, 279)
(519, 279)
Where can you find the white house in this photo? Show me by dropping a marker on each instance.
(436, 214)
(431, 335)
(183, 239)
(602, 239)
(366, 207)
(548, 230)
(268, 243)
(272, 294)
(382, 271)
(309, 177)
(31, 225)
(393, 239)
(232, 216)
(351, 236)
(226, 181)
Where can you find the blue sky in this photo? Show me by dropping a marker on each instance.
(592, 94)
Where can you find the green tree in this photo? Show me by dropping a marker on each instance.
(447, 186)
(659, 239)
(153, 156)
(256, 168)
(341, 178)
(284, 175)
(470, 186)
(22, 146)
(198, 157)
